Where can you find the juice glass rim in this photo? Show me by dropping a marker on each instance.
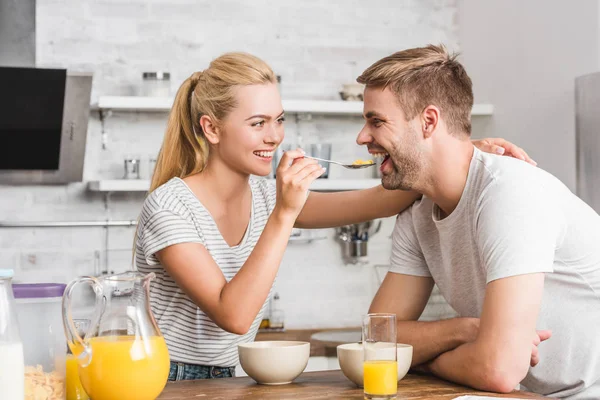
(381, 315)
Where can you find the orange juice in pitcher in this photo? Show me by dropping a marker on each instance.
(124, 367)
(74, 389)
(123, 355)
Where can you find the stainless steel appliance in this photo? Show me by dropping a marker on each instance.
(43, 125)
(587, 127)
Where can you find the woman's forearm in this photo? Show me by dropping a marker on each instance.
(245, 294)
(326, 210)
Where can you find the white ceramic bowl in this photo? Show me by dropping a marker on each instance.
(274, 362)
(351, 357)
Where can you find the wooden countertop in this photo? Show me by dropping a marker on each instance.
(319, 385)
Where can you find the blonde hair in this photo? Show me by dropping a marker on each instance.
(426, 76)
(211, 92)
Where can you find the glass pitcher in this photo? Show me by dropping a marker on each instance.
(123, 354)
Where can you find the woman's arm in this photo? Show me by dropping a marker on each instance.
(326, 210)
(233, 305)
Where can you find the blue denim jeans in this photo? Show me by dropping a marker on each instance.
(186, 372)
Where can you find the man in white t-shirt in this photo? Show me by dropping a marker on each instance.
(512, 250)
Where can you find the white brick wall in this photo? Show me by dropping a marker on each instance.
(315, 46)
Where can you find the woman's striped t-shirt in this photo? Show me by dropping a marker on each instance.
(171, 215)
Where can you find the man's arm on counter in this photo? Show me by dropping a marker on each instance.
(503, 351)
(406, 296)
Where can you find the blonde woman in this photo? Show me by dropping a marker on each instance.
(213, 236)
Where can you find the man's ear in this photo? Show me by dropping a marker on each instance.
(430, 118)
(210, 129)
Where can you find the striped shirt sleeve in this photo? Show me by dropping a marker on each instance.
(165, 228)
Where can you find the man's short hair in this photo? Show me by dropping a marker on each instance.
(426, 76)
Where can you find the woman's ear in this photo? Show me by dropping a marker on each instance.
(210, 130)
(430, 118)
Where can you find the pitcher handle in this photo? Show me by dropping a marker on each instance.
(79, 346)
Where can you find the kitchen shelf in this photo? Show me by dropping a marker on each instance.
(335, 107)
(119, 185)
(321, 185)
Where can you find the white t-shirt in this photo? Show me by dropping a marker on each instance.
(515, 219)
(172, 214)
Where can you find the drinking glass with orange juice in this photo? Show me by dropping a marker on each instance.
(380, 363)
(123, 354)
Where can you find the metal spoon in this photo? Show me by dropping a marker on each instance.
(349, 166)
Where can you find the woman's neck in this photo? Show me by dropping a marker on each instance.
(221, 183)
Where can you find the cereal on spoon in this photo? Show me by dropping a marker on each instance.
(363, 162)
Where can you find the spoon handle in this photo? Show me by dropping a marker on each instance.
(321, 159)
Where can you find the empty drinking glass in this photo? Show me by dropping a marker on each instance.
(132, 167)
(277, 157)
(321, 150)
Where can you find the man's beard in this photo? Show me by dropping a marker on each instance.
(403, 179)
(406, 169)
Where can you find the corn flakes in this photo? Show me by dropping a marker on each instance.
(363, 162)
(40, 385)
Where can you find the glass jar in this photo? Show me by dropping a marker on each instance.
(39, 314)
(279, 85)
(276, 320)
(131, 164)
(156, 84)
(12, 375)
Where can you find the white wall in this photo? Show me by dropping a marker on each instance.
(315, 46)
(17, 33)
(523, 57)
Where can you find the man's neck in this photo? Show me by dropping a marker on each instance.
(447, 172)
